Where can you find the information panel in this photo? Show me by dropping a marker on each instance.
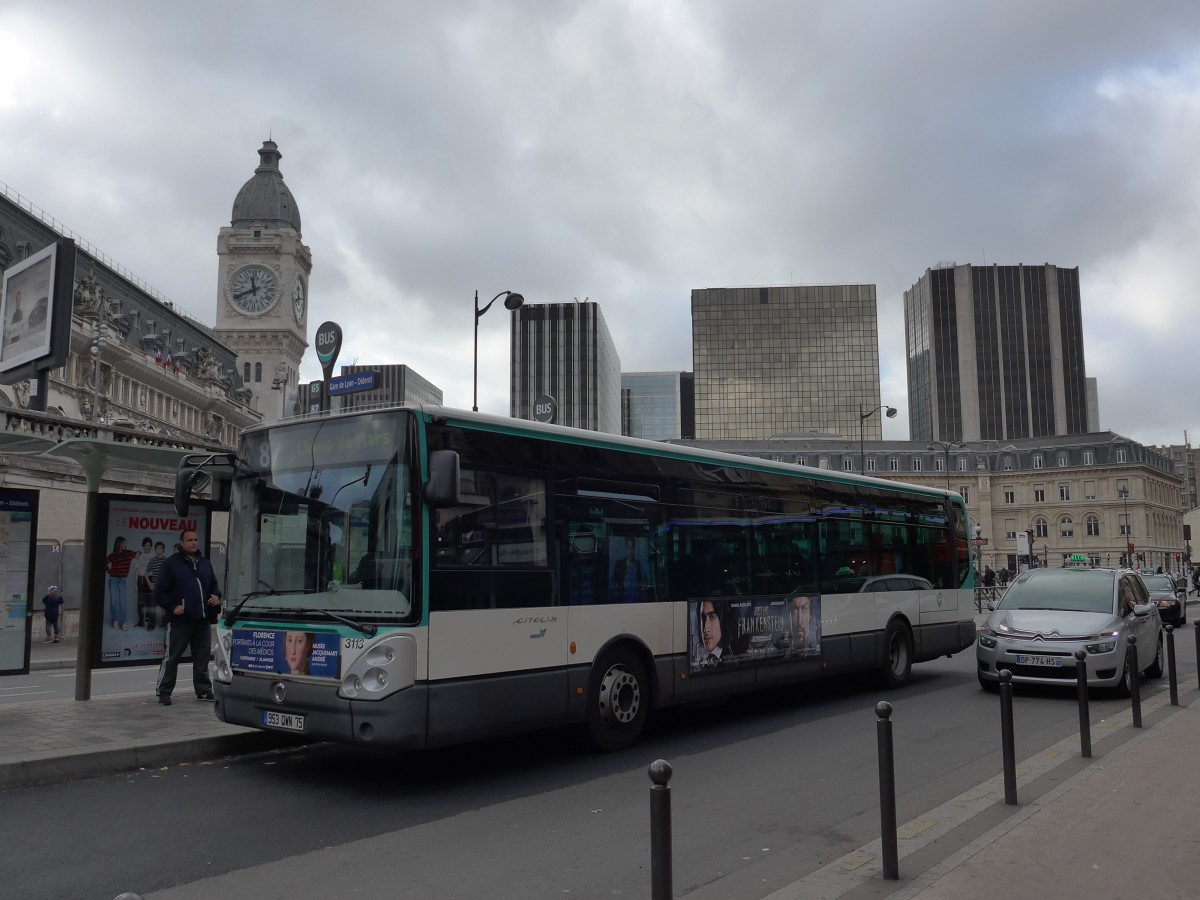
(18, 539)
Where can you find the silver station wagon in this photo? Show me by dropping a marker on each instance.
(1048, 614)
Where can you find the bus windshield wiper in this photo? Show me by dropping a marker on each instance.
(365, 628)
(231, 616)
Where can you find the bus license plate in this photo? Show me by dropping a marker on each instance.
(286, 721)
(1054, 662)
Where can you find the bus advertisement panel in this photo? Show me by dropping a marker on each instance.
(745, 631)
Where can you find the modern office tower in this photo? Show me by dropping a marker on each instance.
(786, 360)
(995, 353)
(1093, 406)
(564, 351)
(658, 406)
(393, 384)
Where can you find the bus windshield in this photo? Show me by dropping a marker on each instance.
(321, 522)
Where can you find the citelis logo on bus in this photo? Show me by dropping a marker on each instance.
(538, 620)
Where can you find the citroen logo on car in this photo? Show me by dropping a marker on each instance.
(279, 691)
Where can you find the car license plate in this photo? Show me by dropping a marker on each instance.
(1054, 662)
(286, 721)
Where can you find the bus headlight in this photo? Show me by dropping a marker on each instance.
(385, 667)
(222, 671)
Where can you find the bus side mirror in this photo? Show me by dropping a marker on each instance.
(187, 480)
(442, 488)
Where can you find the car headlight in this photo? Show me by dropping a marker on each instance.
(1102, 643)
(987, 637)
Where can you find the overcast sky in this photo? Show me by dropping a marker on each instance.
(629, 152)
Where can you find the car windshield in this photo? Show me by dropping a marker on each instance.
(1159, 583)
(1080, 590)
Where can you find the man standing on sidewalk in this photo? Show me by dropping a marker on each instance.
(186, 588)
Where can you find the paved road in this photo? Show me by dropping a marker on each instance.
(767, 790)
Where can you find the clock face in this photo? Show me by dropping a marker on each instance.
(298, 298)
(254, 289)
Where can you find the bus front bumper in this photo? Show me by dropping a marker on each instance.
(314, 710)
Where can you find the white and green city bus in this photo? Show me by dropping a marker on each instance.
(419, 576)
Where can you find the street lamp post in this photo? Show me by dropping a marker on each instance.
(947, 446)
(511, 301)
(889, 411)
(96, 348)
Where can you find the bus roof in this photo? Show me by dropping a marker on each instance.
(509, 425)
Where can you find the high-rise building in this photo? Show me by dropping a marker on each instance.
(785, 360)
(995, 353)
(394, 384)
(658, 406)
(564, 351)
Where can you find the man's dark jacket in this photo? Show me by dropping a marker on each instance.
(187, 580)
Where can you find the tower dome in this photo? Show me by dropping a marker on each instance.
(265, 198)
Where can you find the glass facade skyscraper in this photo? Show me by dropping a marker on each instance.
(995, 353)
(785, 360)
(658, 406)
(564, 350)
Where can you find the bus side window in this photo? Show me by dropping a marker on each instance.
(465, 533)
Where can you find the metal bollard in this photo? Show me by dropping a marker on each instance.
(1197, 624)
(1006, 738)
(660, 830)
(1085, 716)
(887, 793)
(128, 895)
(1135, 683)
(1171, 665)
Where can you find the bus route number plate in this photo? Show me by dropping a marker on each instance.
(286, 721)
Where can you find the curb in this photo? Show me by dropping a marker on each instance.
(51, 664)
(57, 767)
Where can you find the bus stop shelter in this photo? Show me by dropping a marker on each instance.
(97, 451)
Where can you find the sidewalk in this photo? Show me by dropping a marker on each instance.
(44, 742)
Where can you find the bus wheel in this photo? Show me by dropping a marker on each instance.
(619, 702)
(897, 644)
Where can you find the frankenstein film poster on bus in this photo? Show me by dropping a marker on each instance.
(749, 630)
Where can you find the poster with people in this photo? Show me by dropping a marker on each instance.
(140, 535)
(724, 632)
(295, 652)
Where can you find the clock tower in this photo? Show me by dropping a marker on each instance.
(262, 287)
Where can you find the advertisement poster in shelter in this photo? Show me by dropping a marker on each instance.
(140, 535)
